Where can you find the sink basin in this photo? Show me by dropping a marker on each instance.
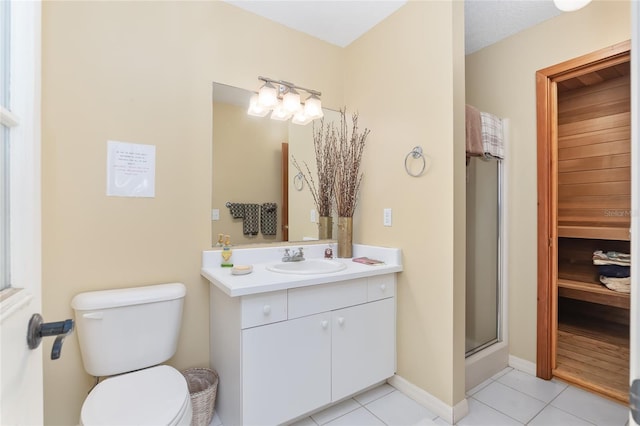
(308, 267)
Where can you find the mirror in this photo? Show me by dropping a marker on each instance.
(252, 167)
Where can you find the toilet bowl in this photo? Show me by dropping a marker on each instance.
(137, 395)
(124, 334)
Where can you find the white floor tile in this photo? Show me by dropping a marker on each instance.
(591, 407)
(552, 416)
(479, 387)
(359, 417)
(501, 373)
(510, 402)
(373, 394)
(441, 422)
(483, 415)
(335, 411)
(396, 409)
(307, 421)
(544, 390)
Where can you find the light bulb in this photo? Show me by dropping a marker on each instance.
(301, 118)
(313, 107)
(291, 101)
(279, 113)
(268, 96)
(254, 107)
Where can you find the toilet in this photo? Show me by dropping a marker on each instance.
(124, 335)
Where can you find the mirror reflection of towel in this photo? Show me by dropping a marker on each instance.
(269, 219)
(236, 210)
(251, 222)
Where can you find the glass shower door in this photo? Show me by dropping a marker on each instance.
(482, 258)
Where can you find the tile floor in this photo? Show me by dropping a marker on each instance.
(511, 397)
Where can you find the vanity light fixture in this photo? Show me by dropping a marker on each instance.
(570, 5)
(282, 99)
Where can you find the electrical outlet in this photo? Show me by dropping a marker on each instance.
(386, 217)
(312, 216)
(215, 214)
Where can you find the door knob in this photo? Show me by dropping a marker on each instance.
(39, 329)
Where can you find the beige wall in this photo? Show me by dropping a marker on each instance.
(142, 72)
(405, 78)
(501, 79)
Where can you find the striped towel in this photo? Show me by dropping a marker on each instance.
(492, 135)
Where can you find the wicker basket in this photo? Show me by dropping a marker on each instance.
(203, 386)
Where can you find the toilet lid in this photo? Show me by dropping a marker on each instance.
(153, 396)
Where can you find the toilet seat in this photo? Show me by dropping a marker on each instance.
(153, 396)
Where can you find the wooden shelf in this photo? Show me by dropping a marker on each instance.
(595, 232)
(593, 292)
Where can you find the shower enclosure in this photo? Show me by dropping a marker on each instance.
(485, 346)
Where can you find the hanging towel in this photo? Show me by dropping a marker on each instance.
(269, 219)
(492, 135)
(236, 210)
(251, 222)
(473, 130)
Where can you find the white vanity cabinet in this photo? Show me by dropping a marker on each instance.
(283, 354)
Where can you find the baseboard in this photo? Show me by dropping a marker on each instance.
(522, 365)
(448, 413)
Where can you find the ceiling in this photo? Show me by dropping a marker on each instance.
(342, 22)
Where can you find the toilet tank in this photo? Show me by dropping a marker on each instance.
(128, 329)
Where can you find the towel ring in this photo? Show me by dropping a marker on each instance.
(298, 181)
(416, 153)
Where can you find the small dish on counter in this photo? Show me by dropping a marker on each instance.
(241, 270)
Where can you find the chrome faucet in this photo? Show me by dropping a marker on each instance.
(293, 256)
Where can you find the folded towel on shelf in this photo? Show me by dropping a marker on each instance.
(621, 285)
(614, 271)
(473, 127)
(611, 258)
(251, 222)
(236, 210)
(492, 135)
(269, 219)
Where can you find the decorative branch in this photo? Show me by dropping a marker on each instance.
(348, 175)
(324, 143)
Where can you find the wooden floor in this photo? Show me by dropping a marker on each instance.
(594, 356)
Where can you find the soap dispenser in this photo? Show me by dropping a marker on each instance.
(226, 253)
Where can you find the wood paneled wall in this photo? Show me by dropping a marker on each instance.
(594, 160)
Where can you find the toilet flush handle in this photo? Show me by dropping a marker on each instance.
(37, 330)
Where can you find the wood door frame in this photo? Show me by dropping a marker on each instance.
(546, 112)
(284, 159)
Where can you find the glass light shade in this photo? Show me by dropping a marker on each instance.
(301, 118)
(291, 101)
(279, 113)
(255, 109)
(313, 107)
(268, 96)
(570, 5)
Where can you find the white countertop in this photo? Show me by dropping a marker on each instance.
(262, 280)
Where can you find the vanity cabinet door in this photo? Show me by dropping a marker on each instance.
(286, 369)
(363, 346)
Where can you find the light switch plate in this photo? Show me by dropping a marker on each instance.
(312, 216)
(215, 214)
(386, 217)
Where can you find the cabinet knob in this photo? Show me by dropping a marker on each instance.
(341, 320)
(383, 287)
(266, 309)
(324, 323)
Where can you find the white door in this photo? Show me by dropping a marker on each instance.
(635, 217)
(20, 367)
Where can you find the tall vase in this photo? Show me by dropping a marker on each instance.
(325, 228)
(345, 237)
